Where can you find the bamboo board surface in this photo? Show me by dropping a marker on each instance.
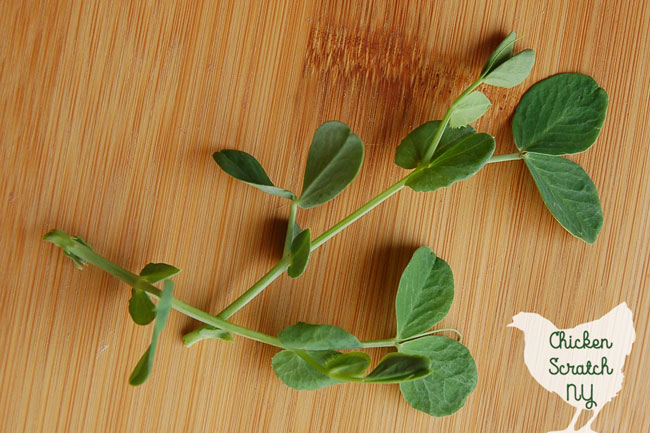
(109, 114)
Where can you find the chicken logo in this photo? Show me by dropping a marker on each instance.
(583, 365)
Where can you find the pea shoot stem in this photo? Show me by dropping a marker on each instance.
(80, 250)
(257, 288)
(370, 205)
(290, 228)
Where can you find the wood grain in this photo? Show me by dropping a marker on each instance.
(109, 112)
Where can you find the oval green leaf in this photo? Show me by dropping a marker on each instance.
(294, 372)
(141, 309)
(410, 152)
(468, 109)
(300, 251)
(317, 337)
(425, 294)
(569, 193)
(143, 367)
(513, 71)
(352, 364)
(560, 115)
(457, 162)
(454, 376)
(399, 367)
(501, 54)
(243, 166)
(156, 272)
(334, 160)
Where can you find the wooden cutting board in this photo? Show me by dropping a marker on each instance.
(109, 114)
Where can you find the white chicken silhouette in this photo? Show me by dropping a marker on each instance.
(585, 377)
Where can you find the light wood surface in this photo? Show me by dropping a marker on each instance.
(109, 114)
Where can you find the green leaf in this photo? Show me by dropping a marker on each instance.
(501, 54)
(243, 166)
(351, 364)
(569, 194)
(425, 294)
(300, 250)
(317, 337)
(468, 109)
(457, 162)
(411, 150)
(513, 71)
(155, 272)
(399, 367)
(141, 309)
(454, 376)
(143, 368)
(560, 115)
(334, 160)
(294, 372)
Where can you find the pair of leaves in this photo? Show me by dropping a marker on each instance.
(410, 153)
(425, 294)
(141, 309)
(459, 162)
(460, 154)
(436, 374)
(334, 160)
(563, 115)
(503, 69)
(557, 116)
(312, 363)
(316, 369)
(143, 312)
